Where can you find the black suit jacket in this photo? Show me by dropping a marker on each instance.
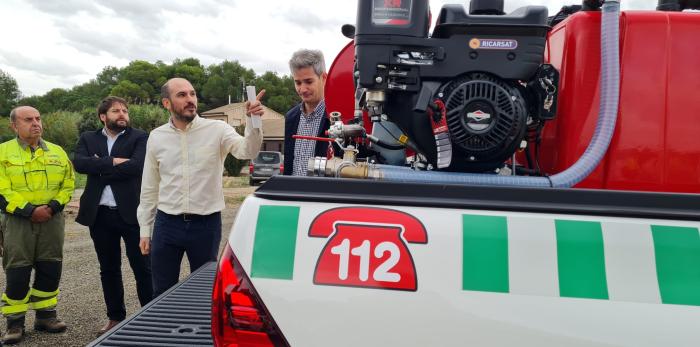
(291, 124)
(91, 158)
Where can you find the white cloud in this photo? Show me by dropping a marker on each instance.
(51, 44)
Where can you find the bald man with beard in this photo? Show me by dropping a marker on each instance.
(182, 190)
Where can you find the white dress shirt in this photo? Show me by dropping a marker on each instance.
(107, 198)
(182, 171)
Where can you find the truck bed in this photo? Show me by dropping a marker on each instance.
(179, 317)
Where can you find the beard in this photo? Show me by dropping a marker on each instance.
(182, 116)
(115, 126)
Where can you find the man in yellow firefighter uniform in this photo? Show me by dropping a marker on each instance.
(36, 181)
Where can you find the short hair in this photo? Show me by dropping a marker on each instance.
(165, 90)
(308, 58)
(107, 102)
(13, 114)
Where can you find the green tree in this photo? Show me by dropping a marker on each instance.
(147, 117)
(146, 76)
(9, 93)
(190, 69)
(89, 121)
(280, 94)
(61, 128)
(130, 91)
(224, 80)
(107, 79)
(56, 99)
(6, 132)
(216, 91)
(86, 95)
(36, 101)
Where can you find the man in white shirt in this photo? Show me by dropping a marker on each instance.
(181, 193)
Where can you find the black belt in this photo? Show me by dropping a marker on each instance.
(109, 207)
(188, 217)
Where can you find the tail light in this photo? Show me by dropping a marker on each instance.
(238, 316)
(250, 168)
(281, 168)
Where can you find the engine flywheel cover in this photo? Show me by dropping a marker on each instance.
(486, 117)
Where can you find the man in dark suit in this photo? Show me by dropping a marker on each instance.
(308, 118)
(113, 157)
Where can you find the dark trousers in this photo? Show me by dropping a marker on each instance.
(106, 233)
(174, 235)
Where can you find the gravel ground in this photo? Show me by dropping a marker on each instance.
(81, 304)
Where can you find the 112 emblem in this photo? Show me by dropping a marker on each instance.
(367, 248)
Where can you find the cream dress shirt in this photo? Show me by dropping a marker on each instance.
(182, 172)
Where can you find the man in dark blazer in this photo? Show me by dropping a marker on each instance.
(291, 123)
(112, 157)
(309, 118)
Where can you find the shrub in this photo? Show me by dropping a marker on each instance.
(61, 128)
(147, 117)
(6, 132)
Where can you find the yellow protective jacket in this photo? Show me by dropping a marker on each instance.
(27, 180)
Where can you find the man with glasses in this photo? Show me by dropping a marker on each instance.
(36, 182)
(112, 158)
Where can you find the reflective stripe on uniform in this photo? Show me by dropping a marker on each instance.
(44, 304)
(46, 299)
(40, 294)
(11, 306)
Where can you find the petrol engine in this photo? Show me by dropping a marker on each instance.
(463, 98)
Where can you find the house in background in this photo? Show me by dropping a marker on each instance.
(273, 123)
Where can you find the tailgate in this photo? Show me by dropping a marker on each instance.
(179, 317)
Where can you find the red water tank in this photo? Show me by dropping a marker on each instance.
(656, 146)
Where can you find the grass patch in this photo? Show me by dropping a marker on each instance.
(234, 200)
(236, 182)
(80, 180)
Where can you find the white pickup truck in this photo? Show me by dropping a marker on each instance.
(325, 262)
(390, 256)
(328, 263)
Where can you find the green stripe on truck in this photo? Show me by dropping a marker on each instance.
(581, 259)
(275, 242)
(485, 253)
(677, 251)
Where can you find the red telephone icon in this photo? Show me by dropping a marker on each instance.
(392, 3)
(367, 248)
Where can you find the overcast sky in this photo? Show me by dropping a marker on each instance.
(47, 44)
